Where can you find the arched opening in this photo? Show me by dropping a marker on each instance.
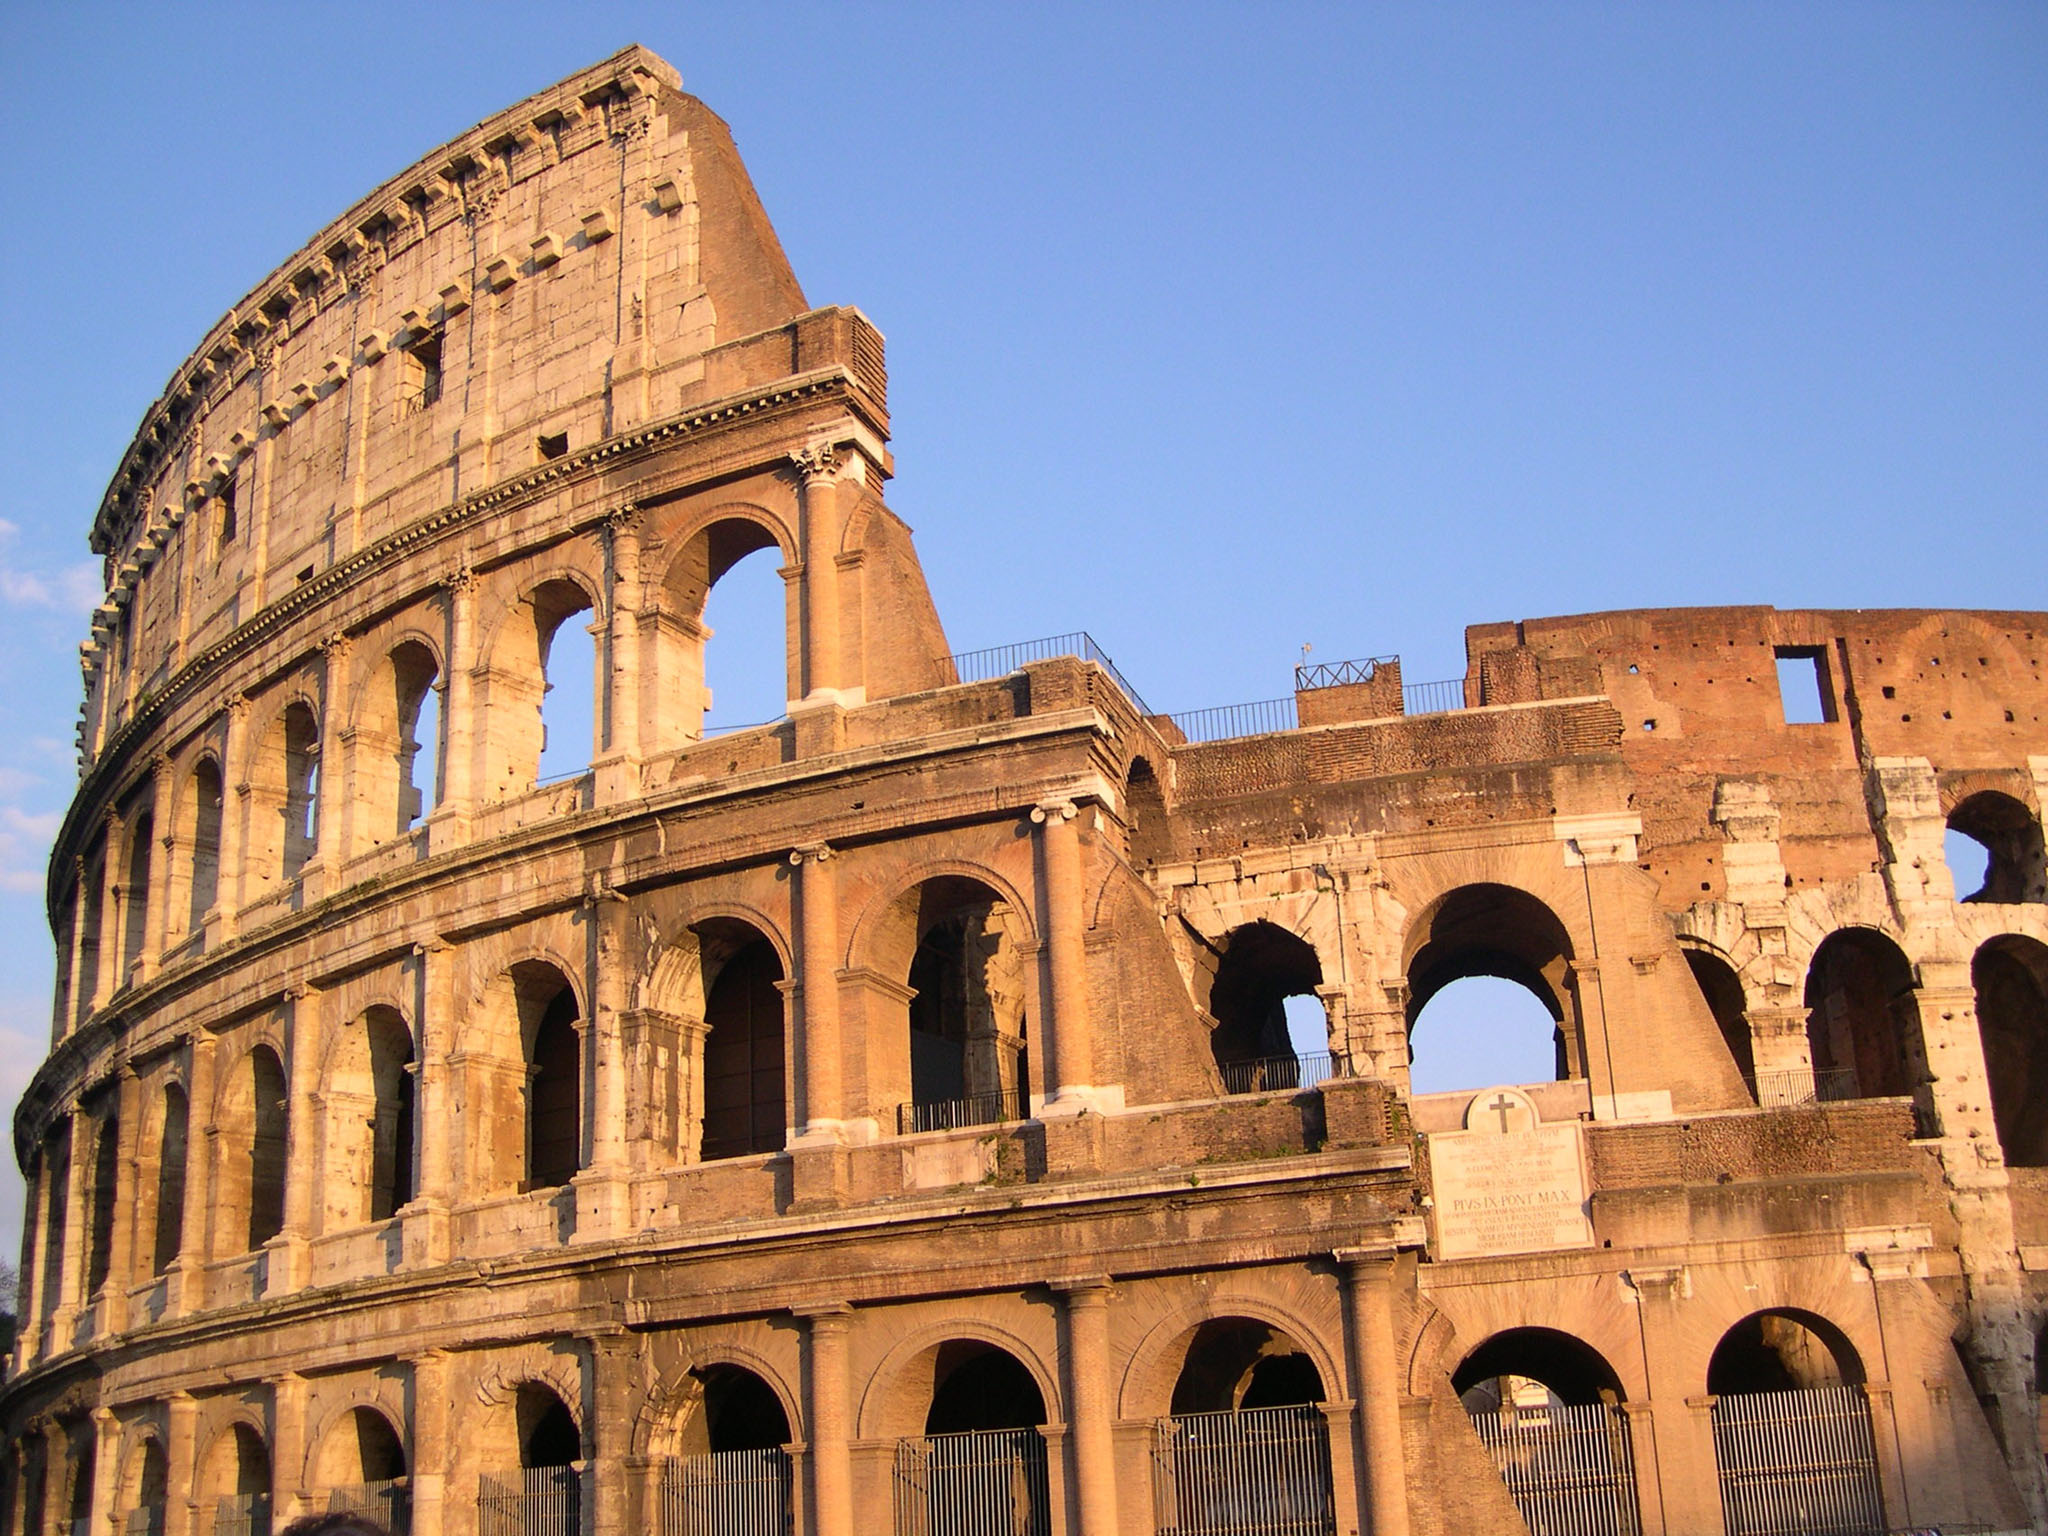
(1792, 1433)
(1995, 852)
(958, 945)
(201, 838)
(301, 787)
(32, 1464)
(548, 1436)
(1721, 990)
(552, 1049)
(980, 1464)
(57, 1173)
(1861, 1026)
(148, 1490)
(725, 580)
(1259, 969)
(368, 1167)
(1246, 1447)
(2010, 975)
(568, 705)
(744, 1102)
(746, 674)
(731, 1470)
(80, 1437)
(170, 1180)
(91, 923)
(1546, 1407)
(541, 691)
(1151, 838)
(250, 1193)
(105, 1193)
(545, 1494)
(141, 833)
(362, 1465)
(1490, 993)
(236, 1482)
(401, 734)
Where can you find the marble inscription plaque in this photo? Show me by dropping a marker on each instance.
(1508, 1183)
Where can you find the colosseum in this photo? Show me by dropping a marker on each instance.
(886, 1118)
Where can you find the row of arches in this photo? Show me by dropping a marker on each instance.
(356, 751)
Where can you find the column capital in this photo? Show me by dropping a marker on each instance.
(337, 645)
(828, 1316)
(1049, 811)
(818, 461)
(811, 853)
(460, 582)
(1373, 1260)
(626, 519)
(1083, 1290)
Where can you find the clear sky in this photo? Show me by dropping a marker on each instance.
(1215, 331)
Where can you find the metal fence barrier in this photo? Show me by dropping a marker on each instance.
(1263, 1472)
(389, 1503)
(1280, 1074)
(1223, 722)
(144, 1522)
(727, 1493)
(1800, 1463)
(1338, 674)
(536, 1501)
(997, 1108)
(1433, 698)
(1569, 1468)
(988, 1482)
(242, 1514)
(1791, 1090)
(1001, 660)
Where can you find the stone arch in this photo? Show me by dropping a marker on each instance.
(892, 1405)
(537, 1021)
(1147, 831)
(860, 942)
(1862, 1027)
(679, 1423)
(674, 981)
(707, 545)
(358, 1443)
(197, 809)
(1147, 1387)
(2010, 976)
(172, 1132)
(139, 835)
(1574, 1371)
(1490, 928)
(145, 1475)
(515, 649)
(248, 1185)
(1780, 1349)
(1429, 1350)
(2009, 831)
(1250, 972)
(1727, 999)
(948, 1030)
(742, 1106)
(283, 772)
(396, 780)
(367, 1162)
(234, 1463)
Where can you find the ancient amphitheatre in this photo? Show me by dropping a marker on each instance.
(885, 1118)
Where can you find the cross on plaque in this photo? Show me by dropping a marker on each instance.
(1501, 1105)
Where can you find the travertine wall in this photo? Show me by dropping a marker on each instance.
(397, 1101)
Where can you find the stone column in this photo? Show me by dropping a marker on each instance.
(430, 1443)
(426, 1216)
(188, 1274)
(824, 1106)
(70, 1273)
(612, 1411)
(106, 1475)
(288, 1262)
(458, 744)
(77, 984)
(818, 469)
(1368, 1280)
(1782, 1053)
(1091, 1412)
(156, 898)
(1682, 1478)
(332, 813)
(181, 1457)
(121, 1264)
(113, 919)
(831, 1489)
(288, 1448)
(1071, 1034)
(618, 764)
(35, 1262)
(603, 1193)
(234, 815)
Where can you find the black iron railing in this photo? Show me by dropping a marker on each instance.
(1433, 698)
(995, 1108)
(1338, 674)
(1001, 660)
(1281, 1074)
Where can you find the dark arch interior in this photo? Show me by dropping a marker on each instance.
(741, 1411)
(1151, 839)
(744, 1109)
(1495, 931)
(1259, 966)
(142, 833)
(2010, 975)
(391, 1135)
(267, 1147)
(1722, 990)
(204, 852)
(963, 1043)
(252, 1462)
(1859, 1025)
(106, 1171)
(1235, 1364)
(378, 1449)
(554, 1065)
(170, 1180)
(153, 1484)
(84, 1465)
(982, 1387)
(2016, 868)
(1782, 1352)
(1573, 1371)
(547, 1430)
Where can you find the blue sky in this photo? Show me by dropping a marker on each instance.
(1215, 331)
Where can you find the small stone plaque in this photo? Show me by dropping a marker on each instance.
(1508, 1183)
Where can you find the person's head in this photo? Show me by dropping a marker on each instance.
(334, 1525)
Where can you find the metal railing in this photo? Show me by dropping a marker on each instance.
(388, 1502)
(1005, 1104)
(535, 1501)
(242, 1514)
(1794, 1088)
(1433, 698)
(987, 1482)
(1338, 674)
(1280, 1074)
(1569, 1468)
(1263, 1472)
(144, 1522)
(727, 1493)
(1001, 660)
(1800, 1463)
(1223, 722)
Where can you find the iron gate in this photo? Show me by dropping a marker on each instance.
(1569, 1468)
(539, 1501)
(389, 1503)
(242, 1514)
(727, 1493)
(1800, 1463)
(986, 1482)
(1262, 1472)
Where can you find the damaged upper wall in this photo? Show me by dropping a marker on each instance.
(589, 261)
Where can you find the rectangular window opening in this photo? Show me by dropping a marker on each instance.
(227, 510)
(423, 360)
(554, 445)
(1803, 685)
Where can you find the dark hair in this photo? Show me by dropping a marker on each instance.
(334, 1525)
